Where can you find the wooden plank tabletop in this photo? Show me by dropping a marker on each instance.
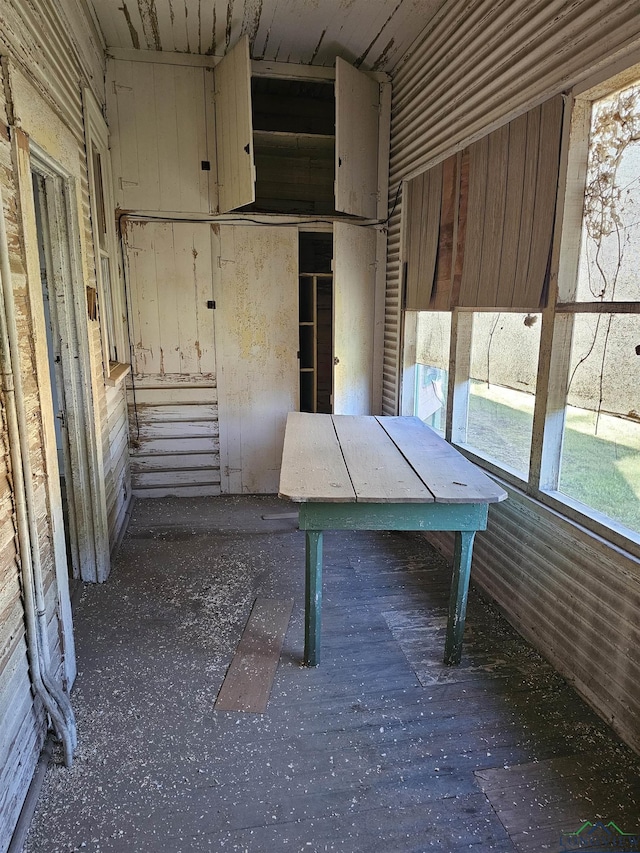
(313, 468)
(348, 458)
(379, 474)
(449, 476)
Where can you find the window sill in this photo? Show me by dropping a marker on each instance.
(117, 372)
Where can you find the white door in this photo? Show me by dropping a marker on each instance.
(354, 268)
(256, 321)
(234, 129)
(357, 120)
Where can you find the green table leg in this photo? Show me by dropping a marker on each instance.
(458, 600)
(313, 602)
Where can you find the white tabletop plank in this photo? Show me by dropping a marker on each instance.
(448, 475)
(378, 472)
(313, 468)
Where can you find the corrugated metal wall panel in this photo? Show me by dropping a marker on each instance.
(39, 40)
(393, 311)
(477, 65)
(574, 598)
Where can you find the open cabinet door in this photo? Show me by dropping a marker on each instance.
(256, 320)
(354, 268)
(234, 129)
(357, 120)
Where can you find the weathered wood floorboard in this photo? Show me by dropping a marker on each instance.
(248, 682)
(377, 750)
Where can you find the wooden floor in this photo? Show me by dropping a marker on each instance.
(379, 749)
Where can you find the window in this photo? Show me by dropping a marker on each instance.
(548, 398)
(600, 451)
(111, 313)
(502, 386)
(600, 461)
(429, 371)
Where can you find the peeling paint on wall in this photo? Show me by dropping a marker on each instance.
(251, 20)
(211, 51)
(317, 47)
(227, 38)
(149, 15)
(363, 56)
(382, 59)
(135, 40)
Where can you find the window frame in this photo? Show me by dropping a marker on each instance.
(556, 336)
(562, 310)
(111, 301)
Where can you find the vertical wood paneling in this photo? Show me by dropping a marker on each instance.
(373, 34)
(234, 129)
(171, 274)
(353, 318)
(157, 116)
(423, 205)
(510, 212)
(357, 119)
(172, 399)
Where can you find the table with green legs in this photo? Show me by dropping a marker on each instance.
(353, 472)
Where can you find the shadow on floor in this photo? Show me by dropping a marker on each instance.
(381, 748)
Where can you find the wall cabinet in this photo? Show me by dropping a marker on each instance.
(161, 135)
(337, 287)
(297, 146)
(213, 140)
(213, 386)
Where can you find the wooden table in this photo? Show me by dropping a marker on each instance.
(351, 472)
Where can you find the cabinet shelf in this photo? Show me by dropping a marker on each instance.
(312, 146)
(282, 138)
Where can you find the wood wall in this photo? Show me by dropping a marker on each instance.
(476, 67)
(50, 52)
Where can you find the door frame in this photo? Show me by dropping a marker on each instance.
(83, 458)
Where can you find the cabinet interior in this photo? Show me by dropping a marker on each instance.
(316, 322)
(293, 146)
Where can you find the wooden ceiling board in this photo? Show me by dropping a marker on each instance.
(129, 23)
(372, 34)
